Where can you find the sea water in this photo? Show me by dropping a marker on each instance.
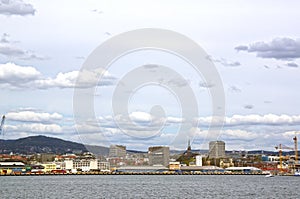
(148, 186)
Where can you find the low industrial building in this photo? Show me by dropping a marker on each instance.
(48, 167)
(174, 166)
(37, 168)
(243, 170)
(12, 167)
(201, 168)
(142, 169)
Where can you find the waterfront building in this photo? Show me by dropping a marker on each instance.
(11, 167)
(48, 167)
(216, 149)
(174, 166)
(159, 155)
(85, 165)
(37, 168)
(226, 162)
(117, 151)
(103, 166)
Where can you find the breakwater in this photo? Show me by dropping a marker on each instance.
(132, 173)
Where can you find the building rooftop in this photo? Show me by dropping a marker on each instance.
(142, 168)
(12, 164)
(199, 168)
(242, 168)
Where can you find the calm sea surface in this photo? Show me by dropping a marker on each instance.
(148, 187)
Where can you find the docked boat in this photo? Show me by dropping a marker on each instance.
(297, 173)
(269, 175)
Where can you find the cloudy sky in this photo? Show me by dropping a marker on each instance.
(255, 47)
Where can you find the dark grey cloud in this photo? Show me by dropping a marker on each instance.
(97, 11)
(266, 66)
(32, 56)
(150, 66)
(178, 82)
(16, 7)
(8, 48)
(241, 47)
(234, 89)
(292, 64)
(278, 48)
(206, 85)
(107, 33)
(79, 57)
(248, 106)
(4, 38)
(11, 51)
(224, 62)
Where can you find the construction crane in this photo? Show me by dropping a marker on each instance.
(280, 155)
(279, 148)
(2, 124)
(296, 146)
(296, 149)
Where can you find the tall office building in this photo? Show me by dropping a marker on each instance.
(117, 151)
(216, 149)
(159, 155)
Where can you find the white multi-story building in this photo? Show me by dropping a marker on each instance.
(199, 160)
(86, 165)
(273, 158)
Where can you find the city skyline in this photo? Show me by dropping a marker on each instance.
(42, 48)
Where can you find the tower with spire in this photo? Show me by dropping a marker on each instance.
(188, 156)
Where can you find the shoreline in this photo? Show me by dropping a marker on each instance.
(130, 173)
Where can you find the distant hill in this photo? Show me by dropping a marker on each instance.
(99, 150)
(43, 144)
(135, 151)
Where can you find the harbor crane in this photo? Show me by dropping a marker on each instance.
(296, 164)
(2, 124)
(296, 146)
(279, 148)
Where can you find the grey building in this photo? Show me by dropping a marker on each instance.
(117, 151)
(159, 155)
(216, 149)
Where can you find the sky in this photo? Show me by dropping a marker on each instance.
(254, 46)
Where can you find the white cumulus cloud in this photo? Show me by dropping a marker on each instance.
(140, 117)
(31, 116)
(15, 75)
(254, 119)
(228, 134)
(19, 77)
